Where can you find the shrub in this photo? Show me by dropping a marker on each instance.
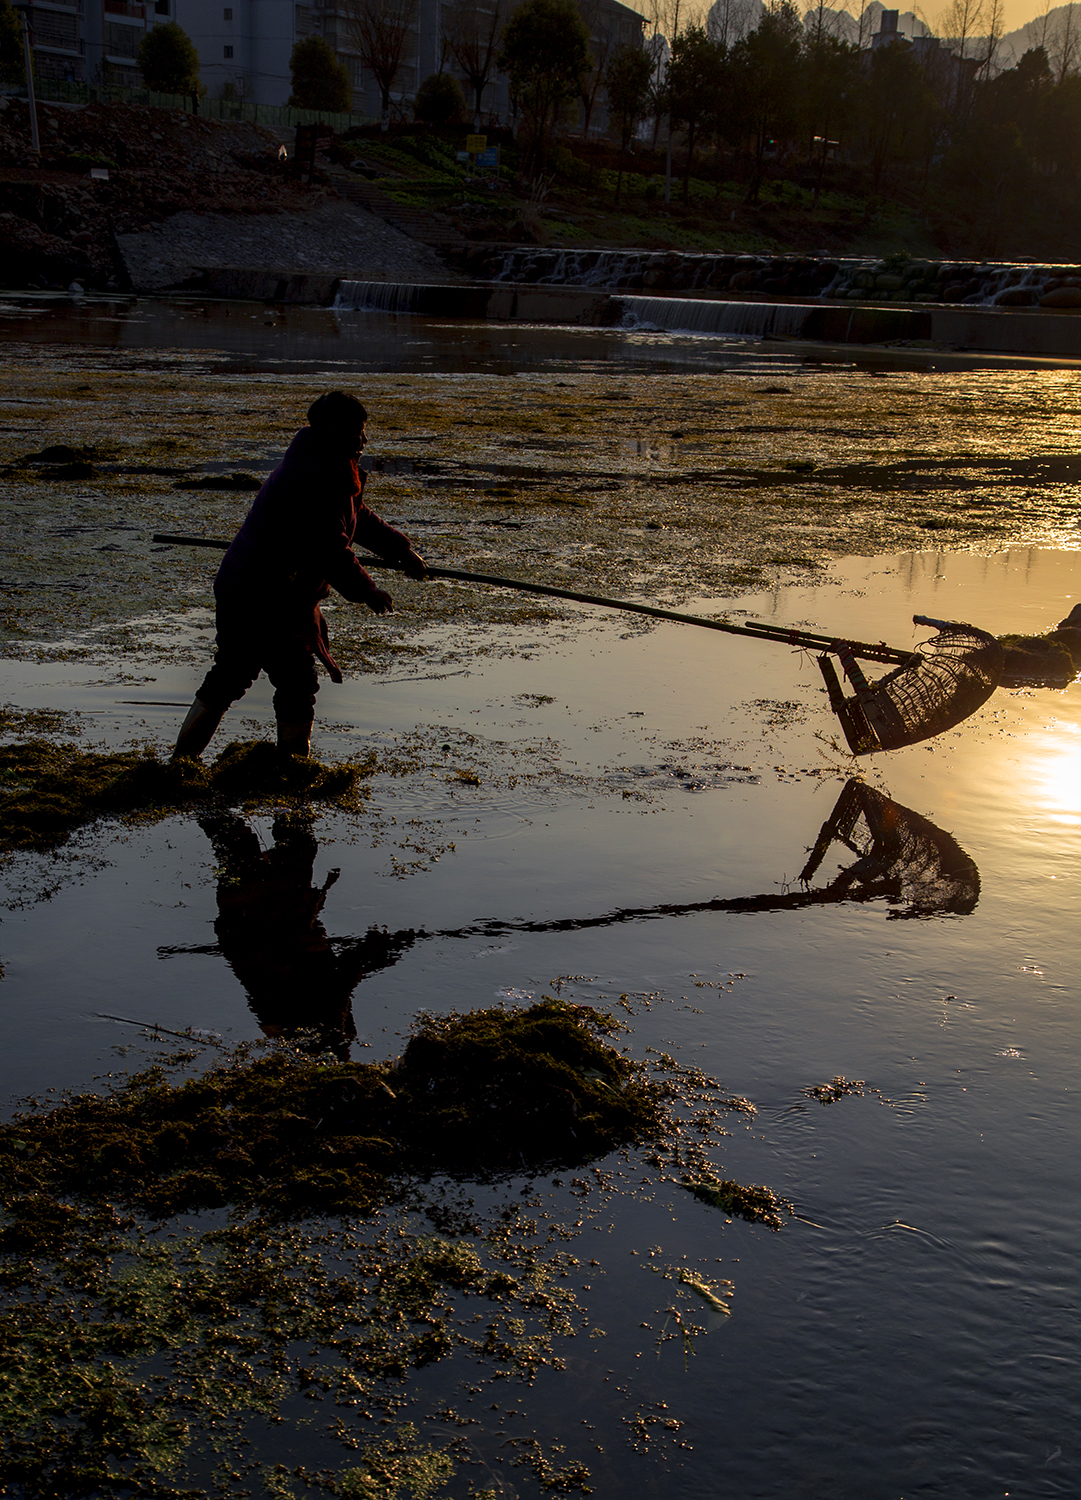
(320, 81)
(168, 60)
(440, 101)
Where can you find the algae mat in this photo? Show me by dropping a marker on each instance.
(143, 1347)
(659, 488)
(914, 1078)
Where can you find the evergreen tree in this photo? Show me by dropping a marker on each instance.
(630, 74)
(767, 74)
(545, 52)
(320, 81)
(169, 62)
(440, 101)
(695, 82)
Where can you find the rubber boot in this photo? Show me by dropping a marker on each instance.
(197, 730)
(295, 738)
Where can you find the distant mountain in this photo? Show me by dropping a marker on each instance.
(1058, 32)
(729, 20)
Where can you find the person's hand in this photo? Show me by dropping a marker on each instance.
(380, 602)
(414, 566)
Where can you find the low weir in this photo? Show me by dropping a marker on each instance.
(747, 320)
(900, 278)
(1049, 331)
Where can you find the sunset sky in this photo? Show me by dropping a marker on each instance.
(1015, 13)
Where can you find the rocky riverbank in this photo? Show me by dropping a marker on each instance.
(330, 236)
(174, 193)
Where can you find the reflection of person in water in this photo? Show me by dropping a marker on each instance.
(297, 978)
(270, 933)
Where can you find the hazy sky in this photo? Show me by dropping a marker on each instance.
(1015, 12)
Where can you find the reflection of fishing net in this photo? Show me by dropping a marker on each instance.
(901, 856)
(946, 679)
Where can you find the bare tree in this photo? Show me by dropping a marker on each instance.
(475, 27)
(729, 21)
(994, 24)
(381, 31)
(960, 27)
(865, 27)
(1058, 32)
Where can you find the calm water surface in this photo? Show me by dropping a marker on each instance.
(915, 1331)
(245, 338)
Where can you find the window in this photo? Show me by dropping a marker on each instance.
(121, 41)
(161, 7)
(227, 13)
(228, 52)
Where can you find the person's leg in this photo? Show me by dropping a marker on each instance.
(296, 682)
(235, 669)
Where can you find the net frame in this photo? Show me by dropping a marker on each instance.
(903, 856)
(944, 681)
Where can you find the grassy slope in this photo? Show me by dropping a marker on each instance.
(579, 207)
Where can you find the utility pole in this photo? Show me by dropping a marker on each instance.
(23, 7)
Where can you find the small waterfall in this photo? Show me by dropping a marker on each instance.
(378, 296)
(731, 319)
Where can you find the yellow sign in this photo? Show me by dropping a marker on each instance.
(475, 143)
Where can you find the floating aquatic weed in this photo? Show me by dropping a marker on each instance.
(837, 1088)
(1051, 660)
(866, 494)
(491, 1090)
(759, 1205)
(48, 790)
(145, 1339)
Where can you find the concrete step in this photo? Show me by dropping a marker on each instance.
(420, 224)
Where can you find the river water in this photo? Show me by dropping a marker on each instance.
(914, 1331)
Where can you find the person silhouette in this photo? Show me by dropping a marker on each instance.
(296, 543)
(270, 931)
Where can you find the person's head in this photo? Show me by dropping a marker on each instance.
(340, 418)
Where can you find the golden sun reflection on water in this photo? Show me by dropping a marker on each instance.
(1053, 772)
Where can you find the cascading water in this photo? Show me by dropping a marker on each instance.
(378, 296)
(734, 319)
(859, 279)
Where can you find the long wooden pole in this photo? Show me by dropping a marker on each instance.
(865, 651)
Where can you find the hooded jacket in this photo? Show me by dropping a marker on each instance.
(295, 545)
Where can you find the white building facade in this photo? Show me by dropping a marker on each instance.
(244, 47)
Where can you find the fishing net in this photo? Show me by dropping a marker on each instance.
(946, 679)
(901, 856)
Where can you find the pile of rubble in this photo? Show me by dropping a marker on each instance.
(58, 224)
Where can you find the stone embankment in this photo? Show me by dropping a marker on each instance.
(900, 279)
(335, 238)
(175, 192)
(58, 224)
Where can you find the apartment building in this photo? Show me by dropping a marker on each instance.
(244, 47)
(92, 41)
